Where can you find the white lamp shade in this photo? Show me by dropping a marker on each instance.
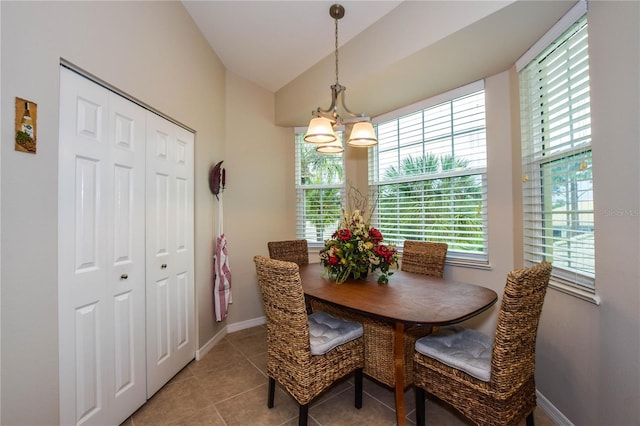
(334, 147)
(362, 135)
(320, 131)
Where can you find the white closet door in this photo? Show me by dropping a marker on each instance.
(170, 286)
(126, 258)
(101, 254)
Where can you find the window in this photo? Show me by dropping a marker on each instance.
(319, 189)
(556, 158)
(428, 173)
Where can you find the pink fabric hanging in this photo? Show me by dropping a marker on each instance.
(222, 273)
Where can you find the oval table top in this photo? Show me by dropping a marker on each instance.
(408, 297)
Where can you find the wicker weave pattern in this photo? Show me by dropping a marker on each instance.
(424, 257)
(295, 251)
(510, 395)
(289, 359)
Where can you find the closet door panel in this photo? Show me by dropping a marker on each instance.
(169, 251)
(126, 256)
(101, 278)
(83, 307)
(183, 255)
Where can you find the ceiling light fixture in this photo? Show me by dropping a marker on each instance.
(322, 127)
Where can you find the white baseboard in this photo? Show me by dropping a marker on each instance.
(237, 326)
(229, 328)
(211, 343)
(551, 411)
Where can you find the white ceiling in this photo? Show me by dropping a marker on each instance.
(272, 42)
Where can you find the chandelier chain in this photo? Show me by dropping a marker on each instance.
(336, 51)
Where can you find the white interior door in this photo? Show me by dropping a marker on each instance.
(101, 254)
(170, 286)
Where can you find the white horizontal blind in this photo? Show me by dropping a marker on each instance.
(319, 191)
(556, 148)
(428, 175)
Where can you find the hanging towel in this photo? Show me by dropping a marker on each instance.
(222, 272)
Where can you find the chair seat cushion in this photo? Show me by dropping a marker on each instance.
(460, 348)
(326, 332)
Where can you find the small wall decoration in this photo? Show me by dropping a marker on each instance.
(26, 125)
(217, 179)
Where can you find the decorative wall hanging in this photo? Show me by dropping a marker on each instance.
(217, 178)
(26, 125)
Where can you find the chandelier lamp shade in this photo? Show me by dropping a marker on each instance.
(323, 125)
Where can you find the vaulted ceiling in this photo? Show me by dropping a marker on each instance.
(284, 45)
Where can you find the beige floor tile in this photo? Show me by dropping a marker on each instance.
(340, 411)
(172, 403)
(229, 380)
(260, 362)
(250, 408)
(205, 416)
(222, 354)
(251, 345)
(228, 387)
(387, 395)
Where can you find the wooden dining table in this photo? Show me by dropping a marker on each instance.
(408, 299)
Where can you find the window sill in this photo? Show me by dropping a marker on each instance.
(469, 263)
(575, 292)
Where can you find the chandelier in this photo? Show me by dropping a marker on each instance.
(322, 126)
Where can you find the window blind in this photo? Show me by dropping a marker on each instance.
(556, 156)
(428, 175)
(319, 191)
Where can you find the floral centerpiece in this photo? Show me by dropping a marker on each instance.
(356, 249)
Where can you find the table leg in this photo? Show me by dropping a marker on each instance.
(398, 351)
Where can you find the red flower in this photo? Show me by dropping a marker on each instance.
(333, 260)
(384, 252)
(344, 234)
(375, 235)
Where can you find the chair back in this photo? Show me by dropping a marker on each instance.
(284, 307)
(514, 348)
(295, 251)
(424, 257)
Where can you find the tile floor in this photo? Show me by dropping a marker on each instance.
(228, 387)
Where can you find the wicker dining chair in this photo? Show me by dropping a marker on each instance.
(424, 257)
(295, 251)
(490, 381)
(305, 354)
(420, 257)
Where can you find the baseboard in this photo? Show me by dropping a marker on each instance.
(237, 326)
(551, 411)
(211, 343)
(229, 328)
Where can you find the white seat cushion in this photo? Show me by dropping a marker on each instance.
(460, 348)
(326, 332)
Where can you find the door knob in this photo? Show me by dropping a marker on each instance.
(164, 266)
(124, 276)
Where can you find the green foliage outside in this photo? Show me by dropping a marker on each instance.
(446, 208)
(321, 204)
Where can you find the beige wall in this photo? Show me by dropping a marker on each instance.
(150, 50)
(588, 356)
(259, 204)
